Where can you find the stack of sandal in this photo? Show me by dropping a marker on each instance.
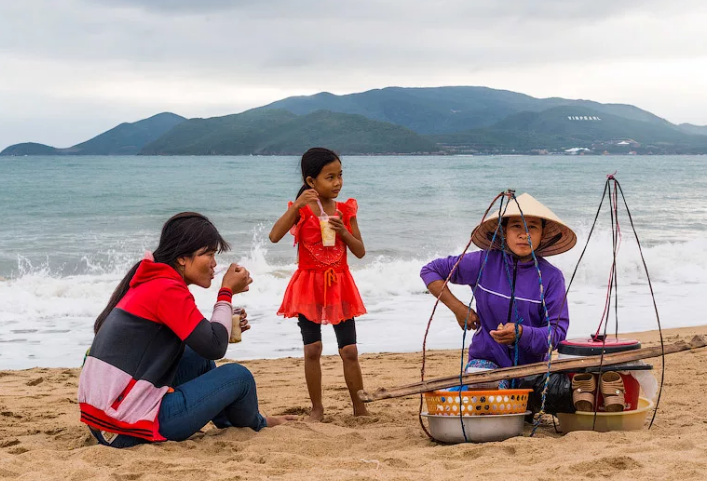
(612, 388)
(584, 387)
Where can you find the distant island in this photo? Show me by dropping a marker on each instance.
(124, 139)
(395, 120)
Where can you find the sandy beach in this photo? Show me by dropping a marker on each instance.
(41, 436)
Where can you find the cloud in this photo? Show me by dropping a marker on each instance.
(403, 9)
(181, 6)
(204, 58)
(239, 34)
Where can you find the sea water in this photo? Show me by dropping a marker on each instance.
(71, 227)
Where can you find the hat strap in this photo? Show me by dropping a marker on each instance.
(544, 244)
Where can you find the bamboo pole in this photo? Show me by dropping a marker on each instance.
(558, 365)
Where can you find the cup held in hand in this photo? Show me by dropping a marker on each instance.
(236, 329)
(328, 234)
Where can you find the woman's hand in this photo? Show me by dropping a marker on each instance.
(460, 310)
(237, 279)
(244, 318)
(308, 196)
(461, 313)
(506, 333)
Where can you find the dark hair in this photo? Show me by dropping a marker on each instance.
(183, 235)
(313, 161)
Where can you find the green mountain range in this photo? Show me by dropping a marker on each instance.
(445, 109)
(279, 132)
(561, 128)
(124, 139)
(694, 129)
(398, 120)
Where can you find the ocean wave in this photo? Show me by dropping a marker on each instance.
(44, 313)
(378, 278)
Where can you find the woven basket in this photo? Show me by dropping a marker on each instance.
(477, 403)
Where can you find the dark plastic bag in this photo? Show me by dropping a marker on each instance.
(559, 393)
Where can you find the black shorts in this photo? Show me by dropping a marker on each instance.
(312, 332)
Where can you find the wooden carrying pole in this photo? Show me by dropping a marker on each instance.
(558, 365)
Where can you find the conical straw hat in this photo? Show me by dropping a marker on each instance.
(557, 237)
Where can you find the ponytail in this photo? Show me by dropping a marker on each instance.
(302, 189)
(118, 294)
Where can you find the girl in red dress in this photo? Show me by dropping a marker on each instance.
(322, 290)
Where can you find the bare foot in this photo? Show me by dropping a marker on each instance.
(316, 415)
(277, 420)
(361, 412)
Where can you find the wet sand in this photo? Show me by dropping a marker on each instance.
(41, 436)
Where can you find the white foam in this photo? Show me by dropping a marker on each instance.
(46, 319)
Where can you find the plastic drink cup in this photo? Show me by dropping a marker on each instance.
(236, 326)
(236, 329)
(328, 234)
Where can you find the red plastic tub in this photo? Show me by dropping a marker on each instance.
(592, 347)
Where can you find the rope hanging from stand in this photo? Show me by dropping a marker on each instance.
(466, 321)
(611, 288)
(611, 181)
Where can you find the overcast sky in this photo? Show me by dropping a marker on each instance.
(71, 69)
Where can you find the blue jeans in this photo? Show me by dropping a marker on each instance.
(203, 392)
(483, 364)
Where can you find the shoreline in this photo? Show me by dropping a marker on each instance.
(650, 336)
(41, 436)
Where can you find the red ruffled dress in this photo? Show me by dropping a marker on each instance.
(322, 288)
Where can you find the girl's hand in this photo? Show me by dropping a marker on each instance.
(472, 323)
(506, 334)
(337, 223)
(244, 318)
(308, 196)
(237, 278)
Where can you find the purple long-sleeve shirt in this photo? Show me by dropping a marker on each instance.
(493, 298)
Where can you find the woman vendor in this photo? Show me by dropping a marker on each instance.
(507, 289)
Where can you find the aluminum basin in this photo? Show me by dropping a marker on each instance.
(479, 429)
